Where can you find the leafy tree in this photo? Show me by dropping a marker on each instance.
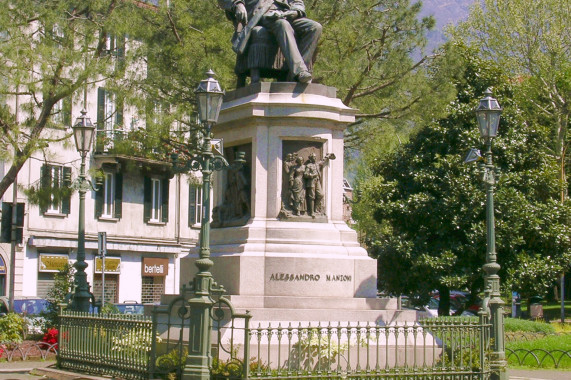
(373, 53)
(423, 210)
(49, 51)
(532, 41)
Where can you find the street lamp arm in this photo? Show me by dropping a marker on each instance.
(84, 184)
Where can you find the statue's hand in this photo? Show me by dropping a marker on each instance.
(290, 15)
(241, 14)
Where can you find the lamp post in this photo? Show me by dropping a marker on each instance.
(488, 114)
(83, 131)
(209, 100)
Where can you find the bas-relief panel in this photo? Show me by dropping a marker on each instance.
(302, 181)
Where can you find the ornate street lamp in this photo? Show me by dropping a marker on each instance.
(83, 131)
(209, 100)
(488, 114)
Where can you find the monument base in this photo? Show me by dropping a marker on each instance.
(297, 271)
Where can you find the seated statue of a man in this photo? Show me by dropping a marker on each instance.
(284, 19)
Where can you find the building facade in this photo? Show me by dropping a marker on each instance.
(150, 215)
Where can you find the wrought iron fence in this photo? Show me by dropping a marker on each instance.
(106, 344)
(430, 349)
(129, 346)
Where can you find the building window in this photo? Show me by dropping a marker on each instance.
(55, 194)
(61, 112)
(156, 202)
(109, 117)
(109, 196)
(153, 289)
(195, 205)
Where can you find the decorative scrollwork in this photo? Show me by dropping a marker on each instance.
(219, 163)
(26, 350)
(538, 357)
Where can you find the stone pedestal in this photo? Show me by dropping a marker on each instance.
(293, 268)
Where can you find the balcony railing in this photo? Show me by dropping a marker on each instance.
(136, 144)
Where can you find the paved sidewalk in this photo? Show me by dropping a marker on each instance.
(44, 370)
(538, 374)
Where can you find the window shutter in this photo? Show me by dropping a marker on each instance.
(6, 222)
(20, 222)
(147, 199)
(66, 201)
(120, 53)
(67, 111)
(100, 108)
(99, 142)
(119, 111)
(45, 183)
(165, 200)
(191, 205)
(118, 206)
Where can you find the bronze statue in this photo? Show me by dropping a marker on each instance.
(314, 191)
(285, 20)
(297, 188)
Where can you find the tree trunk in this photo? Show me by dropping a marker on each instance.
(444, 303)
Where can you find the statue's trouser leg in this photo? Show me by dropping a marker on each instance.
(318, 198)
(285, 36)
(308, 33)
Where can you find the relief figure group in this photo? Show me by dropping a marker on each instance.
(305, 193)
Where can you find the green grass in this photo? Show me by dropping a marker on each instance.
(544, 350)
(514, 324)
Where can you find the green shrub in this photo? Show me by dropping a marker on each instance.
(171, 363)
(11, 328)
(513, 324)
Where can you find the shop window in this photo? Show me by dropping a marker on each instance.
(111, 287)
(46, 282)
(156, 202)
(195, 205)
(109, 196)
(153, 289)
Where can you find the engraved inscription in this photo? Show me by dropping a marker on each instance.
(308, 277)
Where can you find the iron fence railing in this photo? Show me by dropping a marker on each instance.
(127, 346)
(115, 345)
(430, 349)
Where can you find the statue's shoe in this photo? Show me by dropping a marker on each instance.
(304, 77)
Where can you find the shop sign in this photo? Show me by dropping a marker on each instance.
(155, 267)
(2, 266)
(112, 264)
(51, 262)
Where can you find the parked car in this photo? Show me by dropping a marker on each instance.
(31, 309)
(130, 308)
(459, 304)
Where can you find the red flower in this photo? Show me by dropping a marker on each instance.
(51, 337)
